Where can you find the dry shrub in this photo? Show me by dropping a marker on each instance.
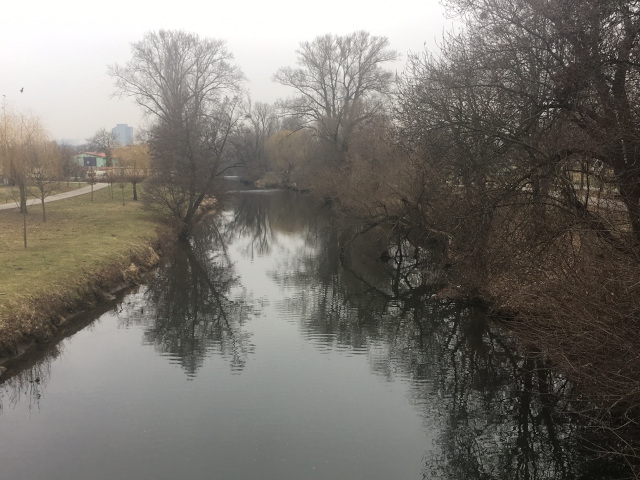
(566, 293)
(586, 320)
(569, 294)
(372, 181)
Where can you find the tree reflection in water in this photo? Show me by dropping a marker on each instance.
(250, 219)
(28, 381)
(260, 216)
(499, 414)
(190, 307)
(496, 414)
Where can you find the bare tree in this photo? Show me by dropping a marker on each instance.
(287, 152)
(43, 158)
(191, 89)
(505, 124)
(15, 167)
(134, 162)
(340, 83)
(92, 179)
(104, 141)
(525, 96)
(69, 167)
(570, 64)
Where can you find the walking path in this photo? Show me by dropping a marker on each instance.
(59, 196)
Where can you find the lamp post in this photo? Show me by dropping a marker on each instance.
(4, 142)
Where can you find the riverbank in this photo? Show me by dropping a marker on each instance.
(573, 301)
(564, 290)
(84, 253)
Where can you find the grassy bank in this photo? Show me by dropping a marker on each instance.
(81, 252)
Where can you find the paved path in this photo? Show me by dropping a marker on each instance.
(53, 198)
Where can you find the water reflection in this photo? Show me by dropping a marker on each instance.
(495, 414)
(191, 307)
(27, 382)
(26, 378)
(499, 414)
(250, 219)
(260, 217)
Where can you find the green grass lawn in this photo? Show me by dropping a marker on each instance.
(79, 239)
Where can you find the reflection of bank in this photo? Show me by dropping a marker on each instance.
(261, 215)
(26, 379)
(496, 413)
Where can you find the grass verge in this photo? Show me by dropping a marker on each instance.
(85, 249)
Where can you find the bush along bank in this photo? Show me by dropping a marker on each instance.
(575, 302)
(565, 293)
(564, 284)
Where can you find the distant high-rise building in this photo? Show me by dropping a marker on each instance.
(124, 134)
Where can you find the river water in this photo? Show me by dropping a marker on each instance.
(261, 352)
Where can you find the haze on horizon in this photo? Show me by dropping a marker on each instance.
(58, 52)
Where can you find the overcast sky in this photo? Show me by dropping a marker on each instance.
(58, 51)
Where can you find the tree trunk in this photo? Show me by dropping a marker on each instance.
(185, 232)
(24, 228)
(44, 213)
(630, 193)
(23, 197)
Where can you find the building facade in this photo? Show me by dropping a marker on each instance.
(123, 133)
(93, 159)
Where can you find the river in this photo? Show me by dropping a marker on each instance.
(261, 352)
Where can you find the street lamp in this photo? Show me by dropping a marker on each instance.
(4, 141)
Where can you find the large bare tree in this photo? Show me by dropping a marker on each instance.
(191, 90)
(104, 141)
(339, 83)
(505, 121)
(538, 89)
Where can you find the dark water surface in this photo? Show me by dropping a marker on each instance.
(258, 354)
